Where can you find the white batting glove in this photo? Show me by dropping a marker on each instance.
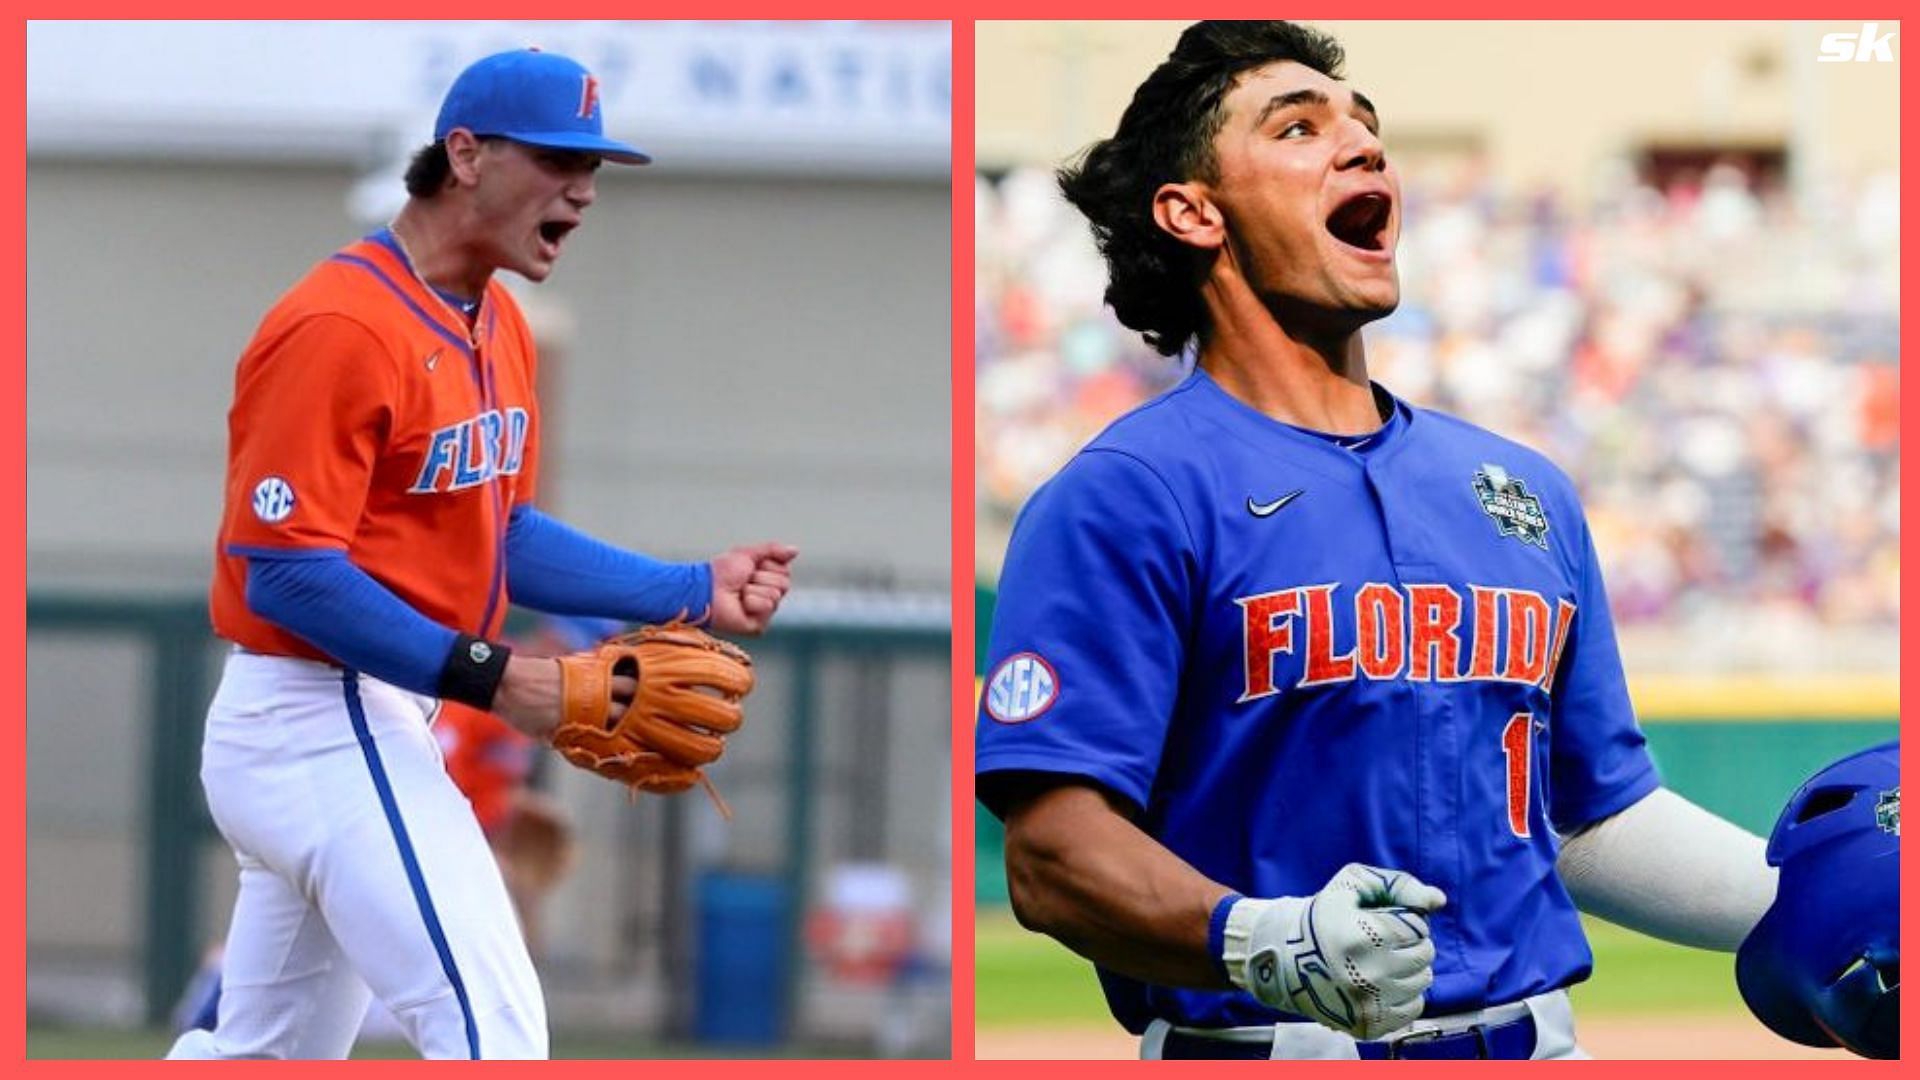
(1356, 956)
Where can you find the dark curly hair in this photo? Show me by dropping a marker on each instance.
(1166, 136)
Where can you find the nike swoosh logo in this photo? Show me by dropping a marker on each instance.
(1268, 509)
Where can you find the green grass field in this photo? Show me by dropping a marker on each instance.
(1024, 980)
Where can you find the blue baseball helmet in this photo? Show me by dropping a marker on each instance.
(1823, 966)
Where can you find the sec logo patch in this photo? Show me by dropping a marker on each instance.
(272, 500)
(1021, 688)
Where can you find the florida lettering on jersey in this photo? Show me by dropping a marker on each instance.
(1421, 633)
(473, 452)
(336, 432)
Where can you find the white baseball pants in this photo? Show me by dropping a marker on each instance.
(362, 872)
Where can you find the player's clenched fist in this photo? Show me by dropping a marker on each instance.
(748, 584)
(1356, 956)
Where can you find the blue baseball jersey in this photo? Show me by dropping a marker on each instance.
(1291, 654)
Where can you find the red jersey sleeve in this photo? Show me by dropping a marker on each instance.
(312, 409)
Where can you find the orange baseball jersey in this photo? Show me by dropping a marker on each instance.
(368, 418)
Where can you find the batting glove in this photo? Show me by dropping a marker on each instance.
(1356, 956)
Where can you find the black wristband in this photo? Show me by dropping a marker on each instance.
(473, 671)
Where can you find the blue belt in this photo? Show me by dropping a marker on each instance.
(1510, 1041)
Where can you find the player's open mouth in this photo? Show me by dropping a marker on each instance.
(1361, 221)
(552, 232)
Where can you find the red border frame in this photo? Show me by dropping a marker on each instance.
(962, 569)
(15, 770)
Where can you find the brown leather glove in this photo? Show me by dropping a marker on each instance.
(687, 703)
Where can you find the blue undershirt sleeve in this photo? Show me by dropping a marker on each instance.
(556, 568)
(345, 613)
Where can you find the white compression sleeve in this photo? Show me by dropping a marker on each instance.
(1668, 868)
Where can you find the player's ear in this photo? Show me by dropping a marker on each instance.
(1189, 215)
(463, 157)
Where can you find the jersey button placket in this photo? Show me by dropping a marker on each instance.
(1435, 753)
(484, 377)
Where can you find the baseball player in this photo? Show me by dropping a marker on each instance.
(1304, 711)
(383, 453)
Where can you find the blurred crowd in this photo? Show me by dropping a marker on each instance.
(1713, 360)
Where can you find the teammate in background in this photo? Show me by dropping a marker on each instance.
(1304, 711)
(496, 767)
(531, 834)
(383, 451)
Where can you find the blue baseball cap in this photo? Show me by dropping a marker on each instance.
(533, 97)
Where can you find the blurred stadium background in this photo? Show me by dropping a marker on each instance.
(1665, 254)
(750, 339)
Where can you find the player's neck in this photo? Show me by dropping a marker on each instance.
(1311, 381)
(430, 238)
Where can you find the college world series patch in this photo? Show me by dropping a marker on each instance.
(1514, 510)
(1021, 688)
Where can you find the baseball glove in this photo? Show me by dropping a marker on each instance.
(686, 704)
